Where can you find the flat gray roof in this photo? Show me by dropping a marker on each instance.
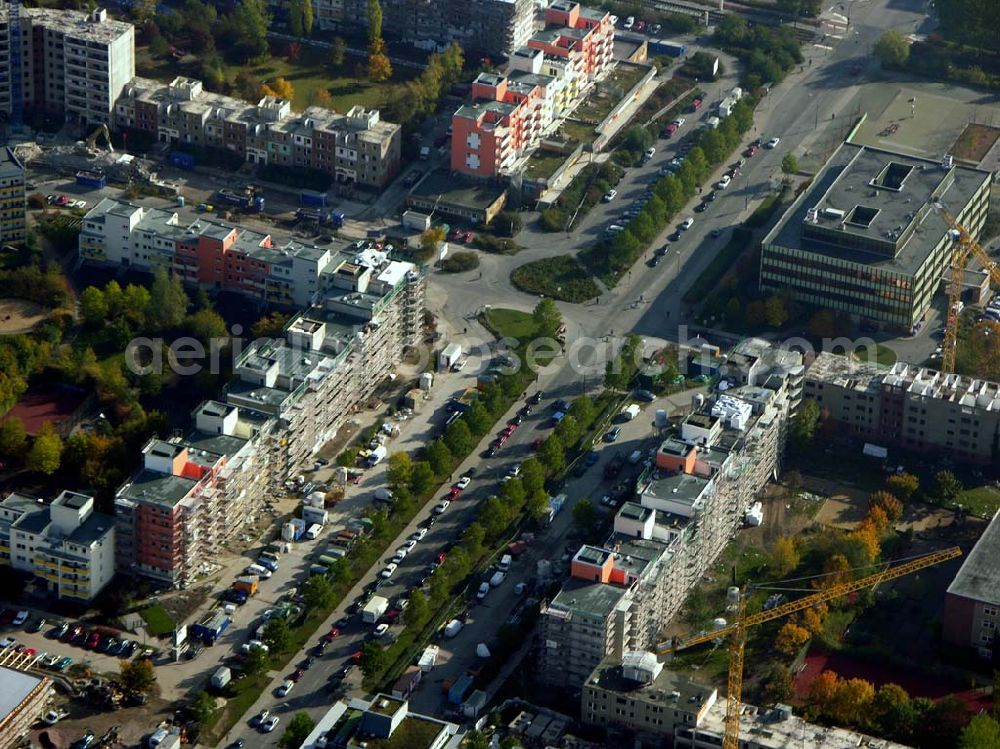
(871, 195)
(462, 192)
(159, 488)
(979, 576)
(15, 686)
(588, 599)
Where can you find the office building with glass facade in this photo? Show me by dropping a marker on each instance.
(866, 239)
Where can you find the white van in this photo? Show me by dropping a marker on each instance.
(313, 531)
(255, 569)
(382, 494)
(505, 561)
(484, 588)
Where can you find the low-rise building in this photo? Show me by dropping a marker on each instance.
(635, 693)
(25, 699)
(357, 147)
(915, 408)
(691, 499)
(457, 197)
(66, 545)
(383, 722)
(13, 200)
(972, 603)
(866, 237)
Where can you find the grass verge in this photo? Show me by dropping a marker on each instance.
(708, 280)
(509, 323)
(982, 501)
(158, 621)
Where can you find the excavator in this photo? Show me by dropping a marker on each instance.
(91, 143)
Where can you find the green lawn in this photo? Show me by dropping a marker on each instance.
(158, 621)
(578, 131)
(543, 164)
(510, 323)
(884, 356)
(982, 501)
(308, 75)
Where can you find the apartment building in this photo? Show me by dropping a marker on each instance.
(508, 115)
(26, 699)
(13, 200)
(635, 693)
(355, 148)
(207, 253)
(73, 64)
(972, 603)
(334, 355)
(495, 27)
(193, 494)
(866, 238)
(65, 544)
(914, 408)
(690, 501)
(776, 728)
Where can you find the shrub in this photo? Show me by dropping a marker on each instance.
(560, 277)
(459, 262)
(489, 243)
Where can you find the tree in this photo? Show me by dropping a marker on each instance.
(892, 49)
(552, 454)
(93, 306)
(755, 313)
(473, 538)
(431, 238)
(256, 661)
(784, 556)
(494, 517)
(338, 52)
(167, 300)
(891, 506)
(270, 326)
(585, 517)
(422, 477)
(136, 676)
(851, 702)
(946, 487)
(822, 690)
(45, 454)
(507, 223)
(418, 610)
(983, 732)
(821, 324)
(374, 22)
(476, 740)
(804, 423)
(298, 730)
(250, 22)
(203, 708)
(775, 311)
(281, 89)
(478, 419)
(399, 471)
(13, 438)
(277, 635)
(790, 638)
(318, 593)
(532, 475)
(812, 619)
(374, 659)
(308, 18)
(582, 409)
(778, 685)
(295, 17)
(892, 712)
(379, 67)
(902, 485)
(247, 85)
(207, 325)
(547, 318)
(790, 164)
(439, 457)
(458, 438)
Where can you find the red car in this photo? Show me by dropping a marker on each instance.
(501, 440)
(330, 636)
(510, 429)
(93, 640)
(537, 443)
(751, 150)
(441, 556)
(62, 200)
(454, 493)
(297, 674)
(640, 25)
(696, 105)
(392, 616)
(355, 656)
(671, 129)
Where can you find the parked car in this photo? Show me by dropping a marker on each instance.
(773, 143)
(613, 434)
(463, 482)
(723, 183)
(20, 618)
(381, 629)
(440, 507)
(608, 197)
(686, 224)
(389, 570)
(270, 724)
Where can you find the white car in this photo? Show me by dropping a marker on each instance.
(410, 545)
(463, 482)
(381, 629)
(285, 688)
(418, 535)
(723, 183)
(773, 143)
(440, 507)
(402, 603)
(650, 153)
(54, 716)
(686, 224)
(21, 618)
(270, 724)
(679, 122)
(610, 195)
(400, 555)
(389, 570)
(629, 23)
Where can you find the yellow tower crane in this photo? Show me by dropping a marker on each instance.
(737, 632)
(965, 247)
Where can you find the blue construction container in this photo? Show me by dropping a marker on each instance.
(456, 695)
(181, 159)
(663, 47)
(91, 179)
(313, 198)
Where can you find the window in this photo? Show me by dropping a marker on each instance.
(989, 610)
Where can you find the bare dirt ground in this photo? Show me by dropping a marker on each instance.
(133, 722)
(846, 506)
(20, 316)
